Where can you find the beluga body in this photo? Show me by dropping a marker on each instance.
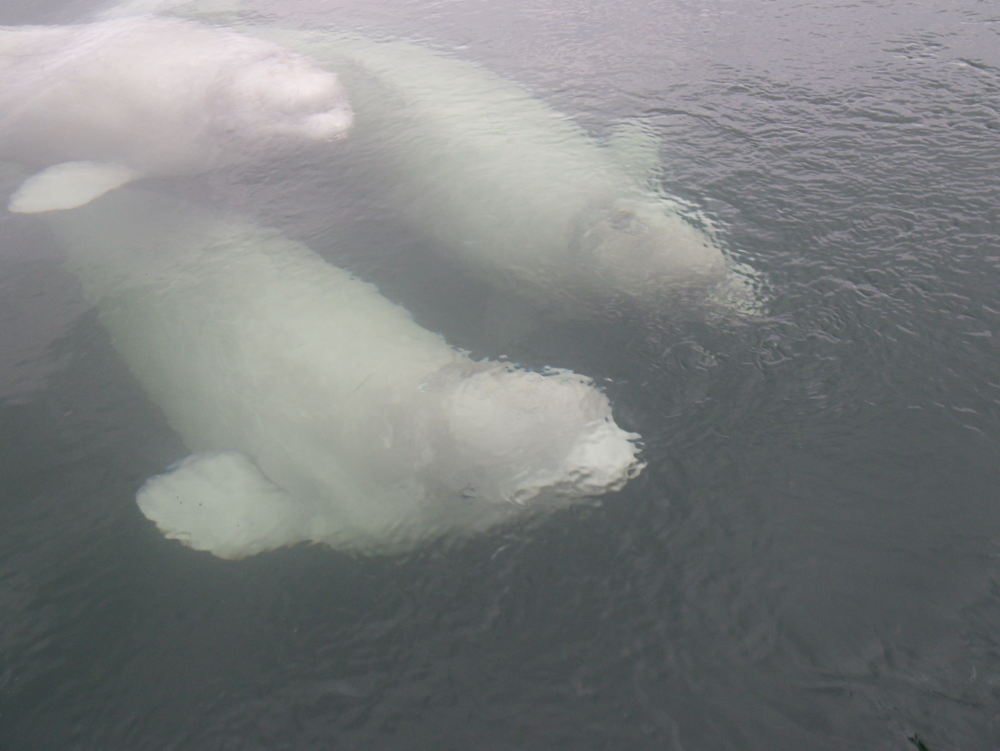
(101, 104)
(500, 181)
(316, 409)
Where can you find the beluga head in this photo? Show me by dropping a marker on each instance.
(284, 94)
(638, 246)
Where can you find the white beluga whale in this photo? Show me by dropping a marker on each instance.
(318, 410)
(515, 190)
(101, 104)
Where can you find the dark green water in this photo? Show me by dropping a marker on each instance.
(811, 560)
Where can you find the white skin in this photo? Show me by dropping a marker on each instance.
(157, 96)
(341, 419)
(502, 181)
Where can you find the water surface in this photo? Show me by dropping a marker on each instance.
(811, 558)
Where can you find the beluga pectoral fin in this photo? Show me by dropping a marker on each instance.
(219, 501)
(68, 185)
(636, 147)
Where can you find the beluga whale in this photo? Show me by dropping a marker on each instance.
(101, 104)
(515, 190)
(316, 409)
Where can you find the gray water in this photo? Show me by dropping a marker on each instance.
(811, 558)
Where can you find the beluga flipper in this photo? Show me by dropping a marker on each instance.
(68, 185)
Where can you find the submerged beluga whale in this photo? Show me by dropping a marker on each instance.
(101, 104)
(513, 189)
(318, 410)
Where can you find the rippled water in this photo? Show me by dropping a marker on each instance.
(810, 559)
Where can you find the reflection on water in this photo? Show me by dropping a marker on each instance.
(809, 558)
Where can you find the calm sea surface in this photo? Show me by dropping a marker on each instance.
(811, 559)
